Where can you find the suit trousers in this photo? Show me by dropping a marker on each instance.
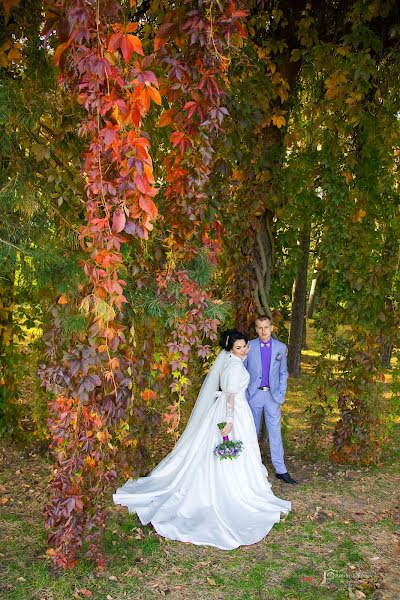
(262, 402)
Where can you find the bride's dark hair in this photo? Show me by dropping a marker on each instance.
(229, 337)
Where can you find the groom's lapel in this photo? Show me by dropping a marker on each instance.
(256, 346)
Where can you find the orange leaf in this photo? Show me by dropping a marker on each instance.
(60, 49)
(148, 170)
(155, 94)
(166, 117)
(8, 5)
(148, 394)
(278, 120)
(131, 26)
(63, 299)
(129, 45)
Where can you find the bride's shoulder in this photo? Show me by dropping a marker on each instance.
(233, 362)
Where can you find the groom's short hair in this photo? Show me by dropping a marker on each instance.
(264, 318)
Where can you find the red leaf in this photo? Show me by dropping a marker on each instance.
(163, 34)
(176, 138)
(148, 206)
(114, 42)
(119, 220)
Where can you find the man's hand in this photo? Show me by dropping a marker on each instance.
(227, 429)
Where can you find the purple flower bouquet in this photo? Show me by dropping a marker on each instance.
(228, 448)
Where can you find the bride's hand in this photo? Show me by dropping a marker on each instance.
(227, 429)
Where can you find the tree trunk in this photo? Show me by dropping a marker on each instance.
(263, 260)
(313, 288)
(304, 342)
(298, 308)
(386, 356)
(253, 275)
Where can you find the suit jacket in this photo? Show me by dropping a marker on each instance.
(278, 373)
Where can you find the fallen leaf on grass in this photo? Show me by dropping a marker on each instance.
(139, 535)
(83, 592)
(113, 578)
(211, 581)
(201, 564)
(4, 501)
(133, 572)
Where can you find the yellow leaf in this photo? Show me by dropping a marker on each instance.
(359, 215)
(14, 54)
(90, 462)
(348, 176)
(335, 83)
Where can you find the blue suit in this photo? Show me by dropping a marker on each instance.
(269, 402)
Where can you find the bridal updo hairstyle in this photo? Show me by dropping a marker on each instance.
(229, 337)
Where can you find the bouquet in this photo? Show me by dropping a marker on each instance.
(228, 449)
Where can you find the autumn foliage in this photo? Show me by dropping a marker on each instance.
(102, 64)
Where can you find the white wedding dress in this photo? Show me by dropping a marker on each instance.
(192, 495)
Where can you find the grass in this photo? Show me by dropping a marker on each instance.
(341, 536)
(340, 539)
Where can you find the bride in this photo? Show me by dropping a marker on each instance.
(192, 495)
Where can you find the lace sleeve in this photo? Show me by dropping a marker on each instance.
(230, 407)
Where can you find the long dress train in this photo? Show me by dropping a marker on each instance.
(193, 496)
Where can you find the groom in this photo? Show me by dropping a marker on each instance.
(266, 363)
